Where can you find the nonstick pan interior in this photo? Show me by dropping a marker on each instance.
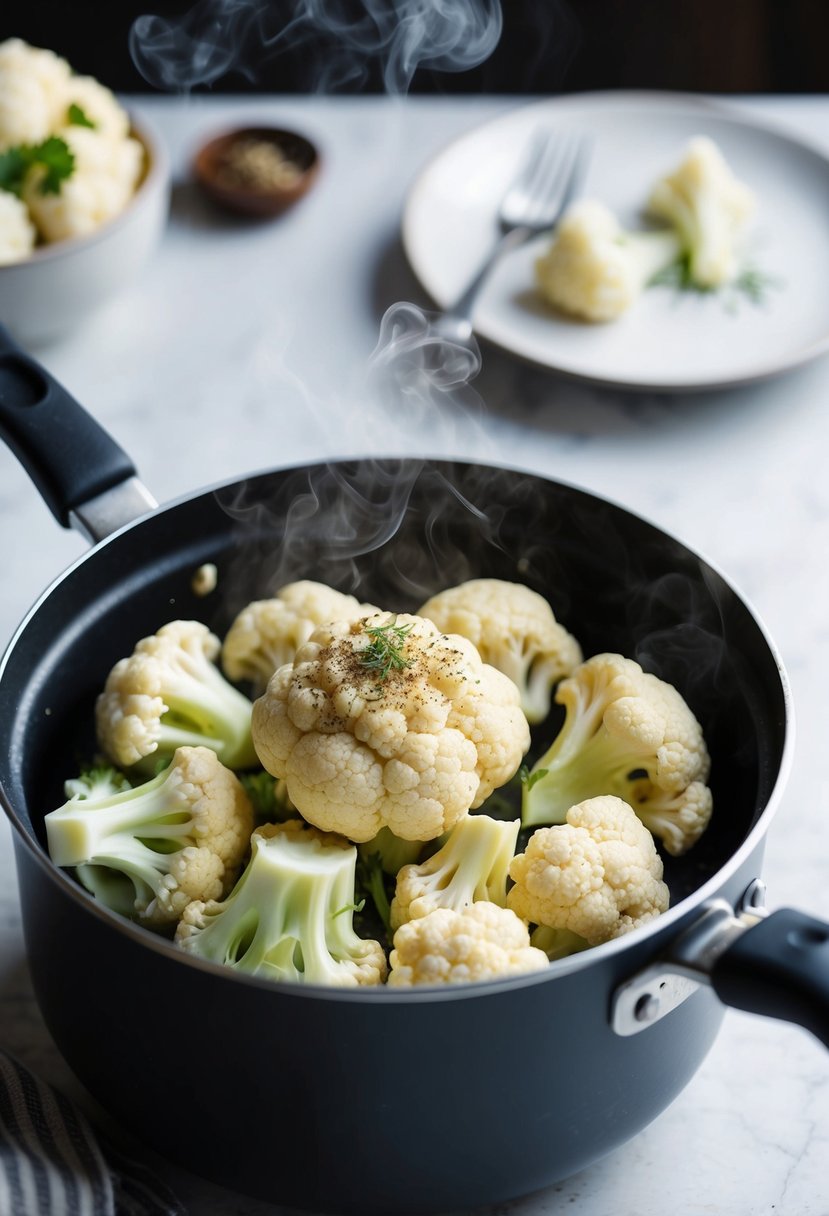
(393, 533)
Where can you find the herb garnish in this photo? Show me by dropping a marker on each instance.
(529, 778)
(53, 155)
(77, 118)
(385, 653)
(370, 879)
(751, 283)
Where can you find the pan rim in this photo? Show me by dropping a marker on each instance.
(677, 913)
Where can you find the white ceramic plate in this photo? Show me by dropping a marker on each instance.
(669, 340)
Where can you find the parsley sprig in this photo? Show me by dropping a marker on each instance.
(529, 777)
(385, 653)
(53, 155)
(77, 118)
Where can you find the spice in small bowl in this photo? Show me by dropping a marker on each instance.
(257, 170)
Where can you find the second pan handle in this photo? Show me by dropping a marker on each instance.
(779, 968)
(68, 455)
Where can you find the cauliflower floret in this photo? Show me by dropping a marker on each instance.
(267, 633)
(708, 207)
(627, 733)
(99, 106)
(482, 942)
(598, 875)
(594, 269)
(513, 629)
(168, 694)
(289, 917)
(471, 866)
(384, 721)
(149, 851)
(17, 232)
(32, 91)
(103, 180)
(674, 816)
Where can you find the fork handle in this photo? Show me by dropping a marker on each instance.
(456, 322)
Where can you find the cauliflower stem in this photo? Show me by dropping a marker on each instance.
(472, 865)
(629, 734)
(289, 917)
(392, 851)
(149, 850)
(708, 208)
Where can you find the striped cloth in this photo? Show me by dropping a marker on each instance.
(53, 1164)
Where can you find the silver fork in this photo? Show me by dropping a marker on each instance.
(550, 175)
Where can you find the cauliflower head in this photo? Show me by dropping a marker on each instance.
(267, 633)
(168, 694)
(289, 917)
(595, 270)
(33, 85)
(630, 734)
(597, 875)
(481, 942)
(386, 722)
(148, 851)
(709, 209)
(104, 178)
(513, 628)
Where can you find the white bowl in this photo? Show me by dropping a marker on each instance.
(53, 290)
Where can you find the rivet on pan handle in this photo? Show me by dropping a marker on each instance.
(656, 990)
(776, 964)
(72, 460)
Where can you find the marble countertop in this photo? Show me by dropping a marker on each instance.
(242, 347)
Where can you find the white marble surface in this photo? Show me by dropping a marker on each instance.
(244, 347)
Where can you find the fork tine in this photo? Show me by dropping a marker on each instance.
(548, 178)
(550, 182)
(543, 148)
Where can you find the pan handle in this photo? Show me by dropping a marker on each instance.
(780, 968)
(776, 964)
(71, 459)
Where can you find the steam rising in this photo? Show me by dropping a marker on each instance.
(343, 39)
(336, 514)
(419, 382)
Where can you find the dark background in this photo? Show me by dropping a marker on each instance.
(547, 46)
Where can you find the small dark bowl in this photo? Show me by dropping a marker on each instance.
(253, 200)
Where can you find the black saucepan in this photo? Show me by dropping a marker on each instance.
(389, 1101)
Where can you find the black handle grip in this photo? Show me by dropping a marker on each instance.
(68, 456)
(780, 968)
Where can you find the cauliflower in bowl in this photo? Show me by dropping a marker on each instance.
(67, 158)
